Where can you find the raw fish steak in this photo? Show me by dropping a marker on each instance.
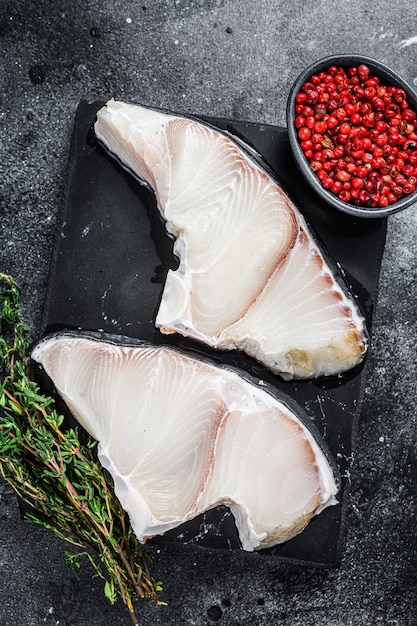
(180, 436)
(251, 276)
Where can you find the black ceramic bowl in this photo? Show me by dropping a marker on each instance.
(388, 77)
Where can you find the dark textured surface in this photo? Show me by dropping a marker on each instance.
(235, 60)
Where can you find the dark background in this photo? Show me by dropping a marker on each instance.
(234, 60)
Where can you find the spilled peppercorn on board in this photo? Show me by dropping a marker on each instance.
(112, 255)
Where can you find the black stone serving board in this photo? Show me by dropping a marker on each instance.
(111, 257)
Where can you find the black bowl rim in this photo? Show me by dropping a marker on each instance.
(384, 72)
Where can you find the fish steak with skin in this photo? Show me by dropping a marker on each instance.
(180, 436)
(251, 276)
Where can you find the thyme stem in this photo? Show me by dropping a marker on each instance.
(53, 469)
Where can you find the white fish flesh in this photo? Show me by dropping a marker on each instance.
(181, 436)
(251, 276)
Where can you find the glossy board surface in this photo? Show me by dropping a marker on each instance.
(112, 254)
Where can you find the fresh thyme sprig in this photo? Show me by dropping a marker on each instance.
(53, 469)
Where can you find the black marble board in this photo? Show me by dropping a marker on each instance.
(111, 257)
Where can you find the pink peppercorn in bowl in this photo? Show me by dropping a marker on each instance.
(352, 127)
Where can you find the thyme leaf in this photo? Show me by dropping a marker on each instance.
(53, 469)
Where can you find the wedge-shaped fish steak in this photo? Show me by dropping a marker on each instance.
(181, 436)
(250, 276)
